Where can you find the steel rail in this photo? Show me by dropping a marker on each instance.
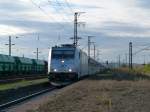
(14, 102)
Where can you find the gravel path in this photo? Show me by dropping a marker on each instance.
(93, 95)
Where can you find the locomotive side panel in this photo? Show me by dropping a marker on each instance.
(83, 63)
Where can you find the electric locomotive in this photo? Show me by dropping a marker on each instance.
(68, 63)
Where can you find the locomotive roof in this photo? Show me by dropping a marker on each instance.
(63, 48)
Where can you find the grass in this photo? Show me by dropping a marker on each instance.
(146, 69)
(95, 95)
(22, 83)
(134, 71)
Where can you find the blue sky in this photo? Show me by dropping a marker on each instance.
(114, 23)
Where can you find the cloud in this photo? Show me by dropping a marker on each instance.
(12, 30)
(114, 23)
(120, 29)
(144, 3)
(16, 6)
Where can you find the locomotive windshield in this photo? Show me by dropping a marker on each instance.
(62, 54)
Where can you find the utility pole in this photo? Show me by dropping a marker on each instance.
(37, 53)
(130, 56)
(89, 44)
(144, 60)
(119, 63)
(10, 44)
(37, 49)
(94, 51)
(98, 54)
(75, 28)
(126, 59)
(89, 50)
(76, 38)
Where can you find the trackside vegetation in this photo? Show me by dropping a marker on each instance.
(22, 83)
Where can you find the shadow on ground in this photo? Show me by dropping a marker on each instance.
(119, 77)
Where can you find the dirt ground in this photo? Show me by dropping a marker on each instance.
(101, 95)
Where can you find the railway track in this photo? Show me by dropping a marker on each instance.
(9, 80)
(19, 100)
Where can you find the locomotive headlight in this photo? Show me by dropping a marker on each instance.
(70, 70)
(55, 70)
(62, 61)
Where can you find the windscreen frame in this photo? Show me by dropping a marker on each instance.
(63, 54)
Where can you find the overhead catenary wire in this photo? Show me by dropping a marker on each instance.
(63, 9)
(62, 26)
(60, 11)
(68, 5)
(141, 50)
(41, 9)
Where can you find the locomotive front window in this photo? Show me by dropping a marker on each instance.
(62, 54)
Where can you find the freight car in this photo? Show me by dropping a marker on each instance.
(16, 67)
(39, 66)
(68, 63)
(7, 65)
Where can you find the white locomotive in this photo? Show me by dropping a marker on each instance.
(68, 63)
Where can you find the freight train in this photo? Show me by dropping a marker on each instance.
(16, 67)
(68, 63)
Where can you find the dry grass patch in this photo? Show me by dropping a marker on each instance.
(101, 96)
